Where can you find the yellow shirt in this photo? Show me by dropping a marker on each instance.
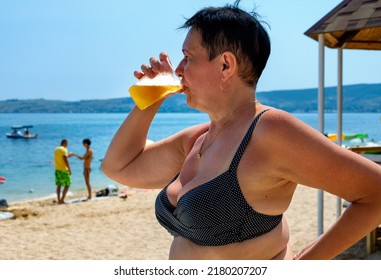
(59, 163)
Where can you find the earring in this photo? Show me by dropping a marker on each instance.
(222, 88)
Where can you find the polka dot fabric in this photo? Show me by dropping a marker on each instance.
(215, 213)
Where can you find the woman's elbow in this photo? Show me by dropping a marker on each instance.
(108, 169)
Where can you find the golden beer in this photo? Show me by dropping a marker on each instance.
(146, 95)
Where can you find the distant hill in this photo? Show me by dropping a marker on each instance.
(357, 98)
(116, 105)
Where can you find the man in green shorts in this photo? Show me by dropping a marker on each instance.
(62, 170)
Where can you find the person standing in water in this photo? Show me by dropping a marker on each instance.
(87, 158)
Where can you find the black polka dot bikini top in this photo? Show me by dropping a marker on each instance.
(215, 213)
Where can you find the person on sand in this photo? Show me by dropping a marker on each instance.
(87, 159)
(226, 184)
(62, 170)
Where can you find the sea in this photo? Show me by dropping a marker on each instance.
(28, 165)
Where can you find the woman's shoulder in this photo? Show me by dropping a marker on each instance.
(276, 125)
(276, 118)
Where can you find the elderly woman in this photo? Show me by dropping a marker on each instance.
(226, 184)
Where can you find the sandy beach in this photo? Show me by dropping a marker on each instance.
(114, 228)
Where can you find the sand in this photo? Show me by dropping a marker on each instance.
(114, 228)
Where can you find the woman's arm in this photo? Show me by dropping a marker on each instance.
(303, 155)
(128, 160)
(125, 160)
(131, 162)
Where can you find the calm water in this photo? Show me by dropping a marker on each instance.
(27, 164)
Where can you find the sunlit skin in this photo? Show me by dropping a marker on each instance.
(87, 159)
(282, 152)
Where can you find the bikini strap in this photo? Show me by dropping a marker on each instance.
(241, 149)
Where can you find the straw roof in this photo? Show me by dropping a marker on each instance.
(353, 24)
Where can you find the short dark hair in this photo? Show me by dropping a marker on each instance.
(231, 29)
(63, 141)
(86, 141)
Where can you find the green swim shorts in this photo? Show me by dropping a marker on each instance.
(63, 178)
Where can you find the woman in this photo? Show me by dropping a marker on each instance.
(227, 183)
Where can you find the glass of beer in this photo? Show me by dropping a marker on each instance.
(148, 91)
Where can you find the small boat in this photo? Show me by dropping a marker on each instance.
(21, 131)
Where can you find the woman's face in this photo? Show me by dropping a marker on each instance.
(200, 77)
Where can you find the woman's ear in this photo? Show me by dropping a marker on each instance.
(228, 65)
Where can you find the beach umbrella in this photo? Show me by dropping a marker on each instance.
(353, 24)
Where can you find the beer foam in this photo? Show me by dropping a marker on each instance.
(159, 80)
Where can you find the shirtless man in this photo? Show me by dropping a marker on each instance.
(87, 158)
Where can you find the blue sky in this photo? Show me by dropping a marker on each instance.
(82, 49)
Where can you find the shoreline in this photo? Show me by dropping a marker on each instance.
(71, 193)
(126, 228)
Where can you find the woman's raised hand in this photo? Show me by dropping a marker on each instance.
(157, 66)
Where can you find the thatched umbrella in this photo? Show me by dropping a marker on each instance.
(353, 24)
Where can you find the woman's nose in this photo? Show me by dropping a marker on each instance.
(179, 69)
